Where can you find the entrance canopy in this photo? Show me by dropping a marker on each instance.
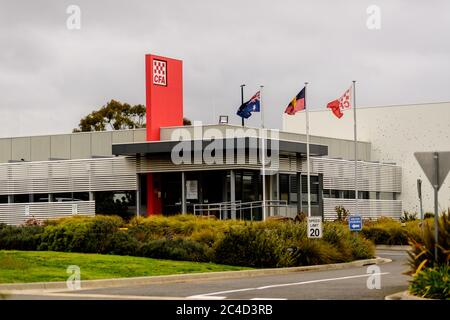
(226, 145)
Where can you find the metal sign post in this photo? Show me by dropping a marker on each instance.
(419, 191)
(436, 166)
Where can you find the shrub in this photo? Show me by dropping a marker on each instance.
(301, 217)
(207, 237)
(123, 244)
(428, 215)
(432, 283)
(391, 232)
(408, 216)
(252, 246)
(179, 226)
(342, 213)
(361, 248)
(423, 253)
(286, 231)
(377, 234)
(92, 235)
(312, 252)
(178, 249)
(33, 222)
(20, 238)
(349, 246)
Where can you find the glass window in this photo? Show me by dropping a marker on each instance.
(284, 187)
(363, 194)
(3, 199)
(62, 197)
(40, 197)
(22, 198)
(387, 196)
(120, 203)
(348, 194)
(335, 194)
(314, 189)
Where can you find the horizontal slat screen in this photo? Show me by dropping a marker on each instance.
(18, 213)
(340, 175)
(118, 173)
(159, 164)
(372, 209)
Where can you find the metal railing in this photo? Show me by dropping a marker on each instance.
(241, 210)
(211, 209)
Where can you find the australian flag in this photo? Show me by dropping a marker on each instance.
(252, 105)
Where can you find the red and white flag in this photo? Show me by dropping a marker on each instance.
(341, 104)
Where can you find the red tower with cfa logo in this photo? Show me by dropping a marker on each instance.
(164, 103)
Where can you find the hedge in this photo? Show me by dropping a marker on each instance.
(186, 237)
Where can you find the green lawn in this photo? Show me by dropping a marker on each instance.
(37, 266)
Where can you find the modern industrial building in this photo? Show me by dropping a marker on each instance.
(169, 168)
(394, 133)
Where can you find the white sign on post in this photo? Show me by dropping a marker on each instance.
(191, 189)
(314, 227)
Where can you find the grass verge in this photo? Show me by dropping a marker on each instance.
(44, 266)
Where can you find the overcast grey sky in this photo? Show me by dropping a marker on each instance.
(51, 76)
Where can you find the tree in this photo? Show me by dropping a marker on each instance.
(116, 116)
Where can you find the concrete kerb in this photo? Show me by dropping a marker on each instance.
(392, 248)
(403, 295)
(122, 282)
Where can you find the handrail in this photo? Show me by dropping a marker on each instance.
(238, 206)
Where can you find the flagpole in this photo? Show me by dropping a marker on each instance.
(242, 102)
(263, 156)
(356, 147)
(307, 155)
(260, 106)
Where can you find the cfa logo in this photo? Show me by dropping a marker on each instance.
(160, 72)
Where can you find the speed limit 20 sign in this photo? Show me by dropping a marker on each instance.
(314, 227)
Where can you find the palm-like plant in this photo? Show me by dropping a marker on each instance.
(422, 253)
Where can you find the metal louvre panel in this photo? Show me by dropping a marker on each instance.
(284, 163)
(153, 164)
(293, 163)
(14, 213)
(372, 209)
(339, 174)
(83, 175)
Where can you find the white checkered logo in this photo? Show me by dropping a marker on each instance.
(344, 101)
(160, 72)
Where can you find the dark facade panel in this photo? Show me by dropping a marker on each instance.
(158, 147)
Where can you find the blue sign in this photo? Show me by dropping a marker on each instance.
(355, 223)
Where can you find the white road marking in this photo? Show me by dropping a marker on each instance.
(291, 284)
(268, 299)
(203, 297)
(89, 295)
